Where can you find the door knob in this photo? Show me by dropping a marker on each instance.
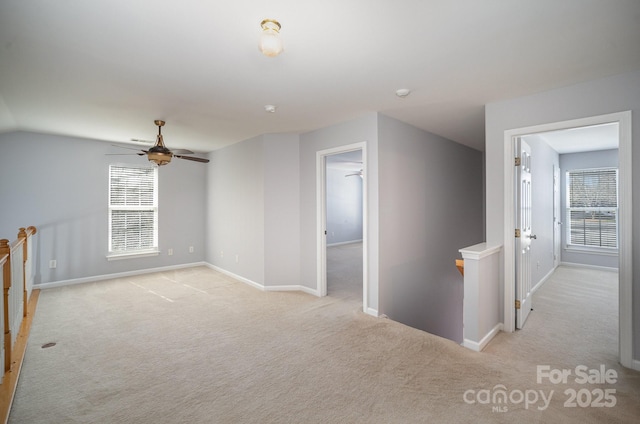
(533, 236)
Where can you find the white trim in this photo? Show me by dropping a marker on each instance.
(600, 251)
(373, 312)
(291, 288)
(95, 278)
(586, 266)
(237, 277)
(478, 251)
(132, 255)
(635, 365)
(479, 346)
(625, 222)
(321, 214)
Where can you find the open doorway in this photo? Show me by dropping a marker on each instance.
(624, 221)
(342, 222)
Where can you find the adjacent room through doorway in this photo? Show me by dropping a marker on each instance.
(574, 249)
(344, 225)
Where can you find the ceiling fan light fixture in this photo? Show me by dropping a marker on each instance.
(270, 41)
(159, 154)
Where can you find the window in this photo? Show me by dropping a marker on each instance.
(133, 210)
(592, 208)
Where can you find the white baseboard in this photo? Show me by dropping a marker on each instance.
(53, 284)
(600, 268)
(237, 277)
(478, 346)
(543, 280)
(304, 289)
(372, 312)
(635, 365)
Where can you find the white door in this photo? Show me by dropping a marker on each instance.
(524, 298)
(557, 220)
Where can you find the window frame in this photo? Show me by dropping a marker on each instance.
(141, 252)
(586, 248)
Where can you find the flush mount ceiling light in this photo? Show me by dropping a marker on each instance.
(270, 42)
(270, 108)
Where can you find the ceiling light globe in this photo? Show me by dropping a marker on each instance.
(270, 41)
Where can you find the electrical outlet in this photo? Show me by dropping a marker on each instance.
(190, 249)
(222, 254)
(53, 263)
(237, 258)
(169, 252)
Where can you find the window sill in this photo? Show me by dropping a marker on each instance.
(591, 250)
(134, 255)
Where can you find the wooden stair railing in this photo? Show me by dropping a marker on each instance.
(19, 301)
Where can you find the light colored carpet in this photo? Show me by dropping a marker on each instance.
(195, 346)
(344, 271)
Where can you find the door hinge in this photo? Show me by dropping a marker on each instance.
(517, 232)
(518, 161)
(517, 304)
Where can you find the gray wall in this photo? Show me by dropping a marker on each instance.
(599, 97)
(282, 209)
(543, 160)
(60, 185)
(363, 129)
(235, 209)
(430, 207)
(253, 209)
(568, 162)
(344, 206)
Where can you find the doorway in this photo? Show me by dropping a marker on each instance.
(341, 223)
(625, 218)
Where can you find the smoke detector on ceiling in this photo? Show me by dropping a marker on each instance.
(403, 92)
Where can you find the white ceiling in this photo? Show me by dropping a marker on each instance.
(582, 139)
(105, 69)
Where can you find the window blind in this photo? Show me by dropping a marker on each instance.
(133, 209)
(593, 207)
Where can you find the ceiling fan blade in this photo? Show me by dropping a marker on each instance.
(124, 154)
(130, 148)
(182, 151)
(192, 158)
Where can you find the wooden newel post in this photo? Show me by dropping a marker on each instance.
(22, 234)
(6, 277)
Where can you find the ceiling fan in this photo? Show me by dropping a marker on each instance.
(161, 155)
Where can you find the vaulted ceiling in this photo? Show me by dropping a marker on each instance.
(105, 69)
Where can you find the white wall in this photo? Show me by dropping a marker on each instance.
(430, 207)
(584, 160)
(60, 185)
(599, 97)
